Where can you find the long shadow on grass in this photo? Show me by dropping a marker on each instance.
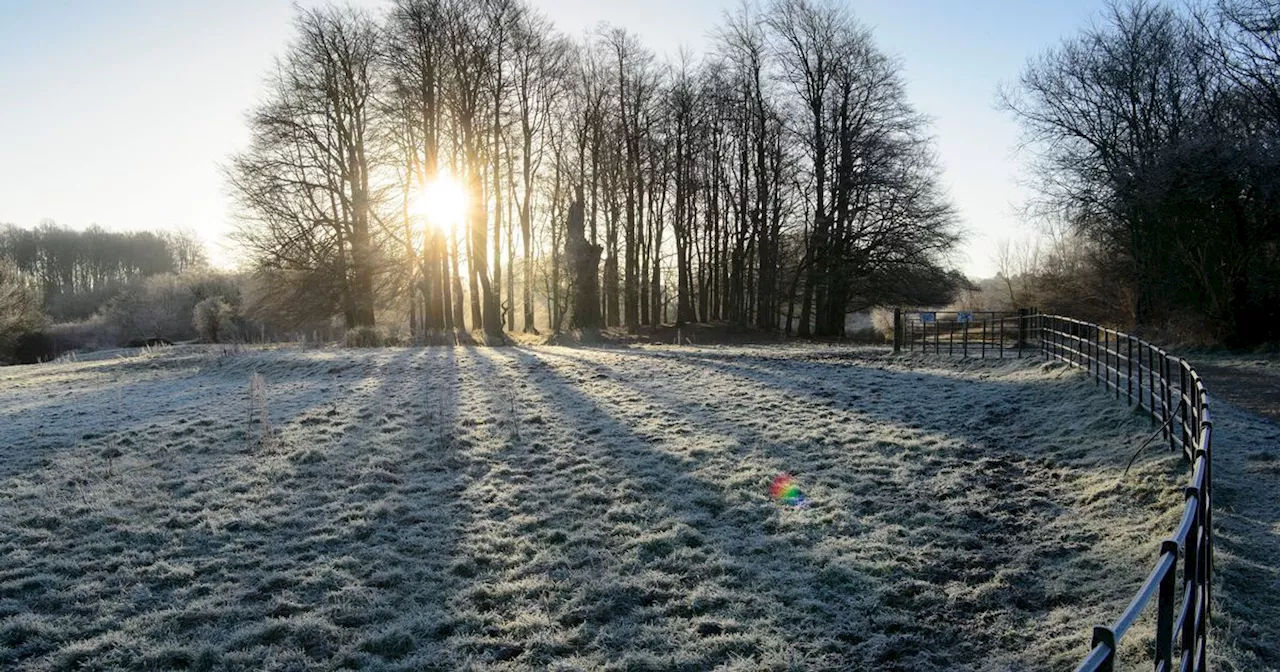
(204, 404)
(359, 533)
(1239, 576)
(548, 581)
(381, 516)
(314, 556)
(996, 524)
(984, 412)
(895, 612)
(742, 564)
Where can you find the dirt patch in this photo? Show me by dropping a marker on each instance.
(1254, 388)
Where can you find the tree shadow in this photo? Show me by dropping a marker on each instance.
(697, 555)
(318, 549)
(1247, 489)
(973, 498)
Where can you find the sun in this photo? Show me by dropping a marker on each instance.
(442, 202)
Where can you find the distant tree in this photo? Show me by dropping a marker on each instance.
(79, 271)
(187, 251)
(21, 312)
(1017, 263)
(537, 56)
(164, 305)
(211, 319)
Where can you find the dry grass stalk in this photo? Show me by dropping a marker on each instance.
(258, 409)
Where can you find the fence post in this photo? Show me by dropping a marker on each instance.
(1191, 577)
(1151, 381)
(1106, 636)
(1087, 358)
(1104, 358)
(1129, 361)
(1076, 346)
(1115, 357)
(984, 338)
(965, 338)
(1059, 339)
(1038, 321)
(1022, 329)
(1052, 325)
(1088, 346)
(897, 330)
(1080, 348)
(1164, 608)
(1182, 404)
(1164, 398)
(1112, 352)
(1098, 356)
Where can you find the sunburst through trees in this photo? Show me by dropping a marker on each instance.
(421, 164)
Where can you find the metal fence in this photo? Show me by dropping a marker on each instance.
(964, 333)
(1173, 395)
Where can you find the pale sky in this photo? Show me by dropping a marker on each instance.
(119, 113)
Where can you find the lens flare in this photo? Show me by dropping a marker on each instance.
(785, 490)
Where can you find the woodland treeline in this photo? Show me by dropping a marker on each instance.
(779, 181)
(1155, 135)
(76, 272)
(63, 290)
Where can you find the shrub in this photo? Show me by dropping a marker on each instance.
(163, 306)
(363, 337)
(90, 334)
(21, 311)
(33, 347)
(882, 323)
(212, 319)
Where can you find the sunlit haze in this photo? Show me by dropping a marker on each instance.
(440, 203)
(120, 114)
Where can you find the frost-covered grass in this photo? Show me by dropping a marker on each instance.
(554, 508)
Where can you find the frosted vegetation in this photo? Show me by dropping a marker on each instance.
(553, 508)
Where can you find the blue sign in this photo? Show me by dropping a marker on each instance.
(928, 318)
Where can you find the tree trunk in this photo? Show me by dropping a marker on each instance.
(585, 261)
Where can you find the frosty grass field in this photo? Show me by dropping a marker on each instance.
(554, 508)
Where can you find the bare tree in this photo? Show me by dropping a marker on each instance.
(784, 167)
(304, 186)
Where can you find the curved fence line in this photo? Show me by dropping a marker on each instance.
(1173, 395)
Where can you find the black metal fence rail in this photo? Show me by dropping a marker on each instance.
(1174, 396)
(968, 334)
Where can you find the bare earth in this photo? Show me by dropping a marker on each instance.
(1247, 503)
(557, 508)
(1255, 388)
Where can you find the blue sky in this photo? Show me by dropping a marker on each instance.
(119, 113)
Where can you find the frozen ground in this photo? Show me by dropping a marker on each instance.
(553, 508)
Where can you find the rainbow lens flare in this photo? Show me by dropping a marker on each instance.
(784, 490)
